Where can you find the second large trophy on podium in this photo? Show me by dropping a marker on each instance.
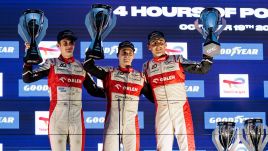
(99, 21)
(254, 135)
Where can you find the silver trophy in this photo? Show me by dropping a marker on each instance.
(211, 19)
(99, 21)
(225, 136)
(255, 133)
(32, 29)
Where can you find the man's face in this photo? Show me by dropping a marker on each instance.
(157, 46)
(125, 57)
(66, 47)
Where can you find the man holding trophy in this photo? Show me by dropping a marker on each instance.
(165, 74)
(123, 85)
(32, 29)
(65, 79)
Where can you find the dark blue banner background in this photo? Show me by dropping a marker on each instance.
(71, 15)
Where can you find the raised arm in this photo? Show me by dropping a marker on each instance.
(92, 88)
(98, 72)
(196, 67)
(29, 75)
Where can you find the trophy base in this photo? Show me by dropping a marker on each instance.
(33, 59)
(95, 55)
(212, 49)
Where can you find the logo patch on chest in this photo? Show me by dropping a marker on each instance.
(62, 66)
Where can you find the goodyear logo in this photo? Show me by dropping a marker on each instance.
(265, 89)
(38, 88)
(195, 88)
(110, 49)
(211, 118)
(9, 49)
(241, 51)
(9, 120)
(95, 119)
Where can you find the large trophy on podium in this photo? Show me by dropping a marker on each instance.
(211, 19)
(256, 135)
(32, 29)
(99, 21)
(225, 136)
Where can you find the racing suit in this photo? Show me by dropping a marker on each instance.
(173, 115)
(65, 80)
(123, 87)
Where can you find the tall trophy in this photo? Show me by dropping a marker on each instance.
(255, 133)
(32, 29)
(211, 19)
(99, 22)
(225, 136)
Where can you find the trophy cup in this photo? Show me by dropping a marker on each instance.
(211, 18)
(225, 137)
(32, 29)
(255, 136)
(99, 21)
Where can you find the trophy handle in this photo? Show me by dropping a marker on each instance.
(215, 139)
(42, 34)
(22, 32)
(243, 140)
(237, 140)
(265, 140)
(204, 34)
(219, 31)
(111, 25)
(196, 25)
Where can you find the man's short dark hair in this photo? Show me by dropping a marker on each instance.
(66, 34)
(155, 34)
(126, 44)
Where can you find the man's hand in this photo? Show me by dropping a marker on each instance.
(27, 45)
(207, 57)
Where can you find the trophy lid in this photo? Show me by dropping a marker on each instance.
(225, 123)
(101, 6)
(256, 120)
(33, 11)
(210, 9)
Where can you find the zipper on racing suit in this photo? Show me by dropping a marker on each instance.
(69, 69)
(164, 84)
(122, 110)
(124, 103)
